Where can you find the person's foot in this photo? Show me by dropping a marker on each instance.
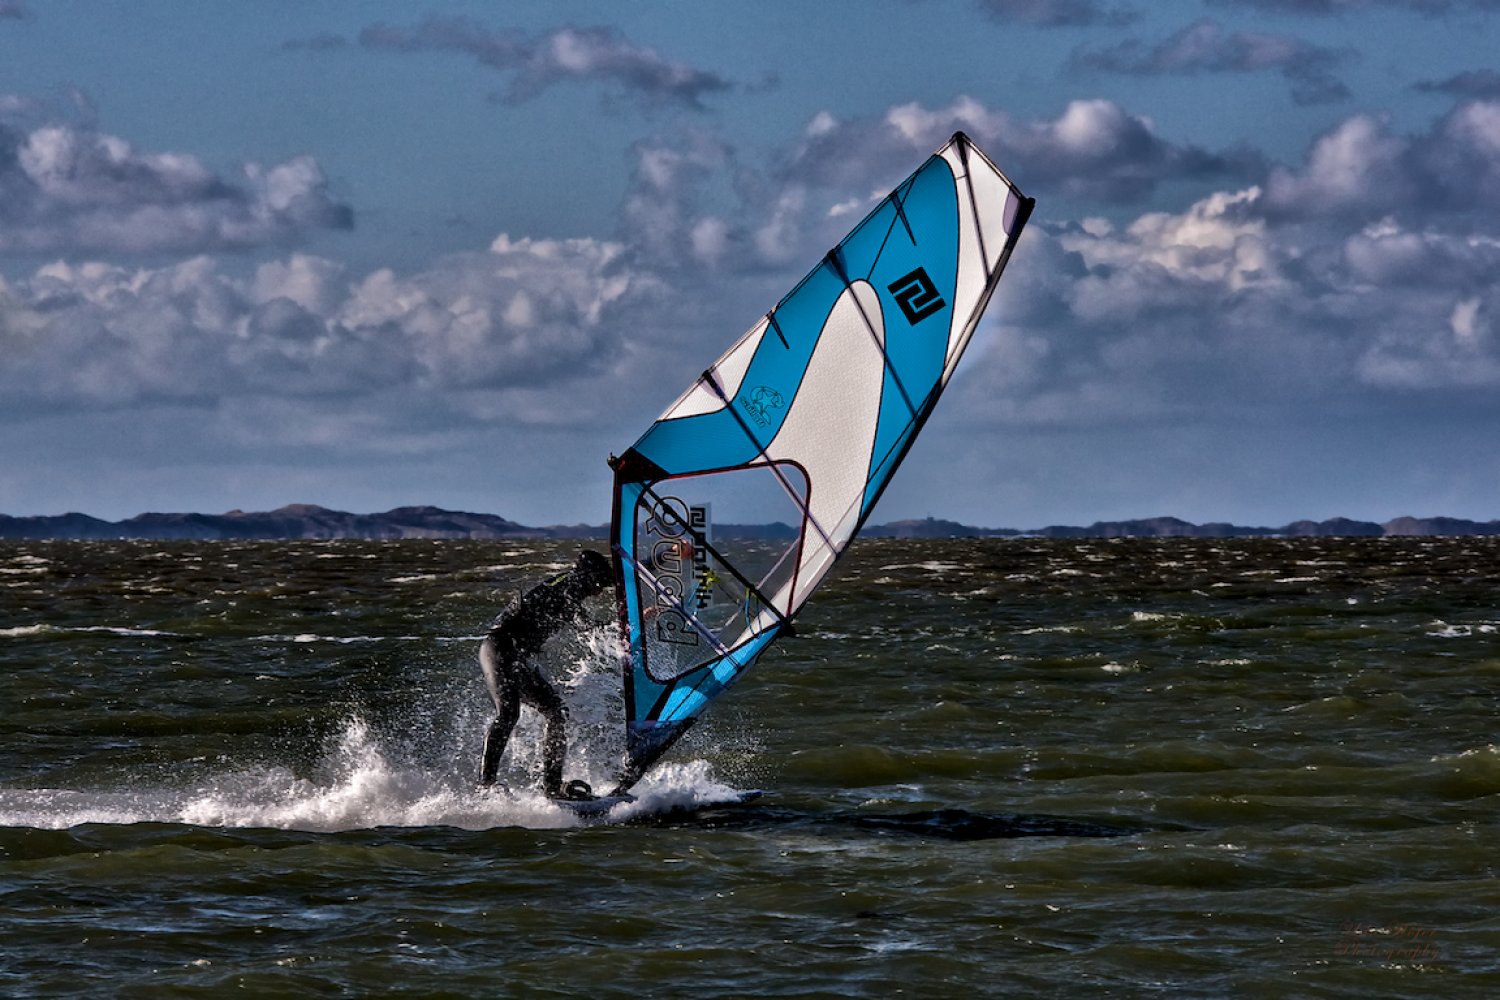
(574, 791)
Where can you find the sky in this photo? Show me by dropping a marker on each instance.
(367, 255)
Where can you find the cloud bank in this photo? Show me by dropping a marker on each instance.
(1206, 46)
(1367, 266)
(525, 313)
(1361, 170)
(1356, 279)
(535, 63)
(1219, 309)
(1094, 150)
(67, 188)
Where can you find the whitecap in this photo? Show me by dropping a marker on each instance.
(21, 630)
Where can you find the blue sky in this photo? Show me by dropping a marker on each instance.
(373, 254)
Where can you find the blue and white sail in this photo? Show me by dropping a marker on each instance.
(805, 418)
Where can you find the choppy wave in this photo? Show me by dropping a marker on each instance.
(42, 628)
(1235, 766)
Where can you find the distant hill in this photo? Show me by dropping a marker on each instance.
(1338, 527)
(1173, 527)
(293, 521)
(309, 521)
(930, 527)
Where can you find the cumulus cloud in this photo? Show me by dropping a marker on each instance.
(68, 188)
(1208, 47)
(1220, 310)
(1438, 305)
(1057, 13)
(537, 62)
(526, 312)
(1361, 169)
(1126, 312)
(693, 207)
(1388, 255)
(1095, 149)
(1362, 272)
(663, 215)
(1366, 270)
(691, 204)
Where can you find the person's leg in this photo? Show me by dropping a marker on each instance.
(494, 743)
(496, 669)
(536, 692)
(497, 677)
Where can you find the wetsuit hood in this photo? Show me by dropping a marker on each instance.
(592, 573)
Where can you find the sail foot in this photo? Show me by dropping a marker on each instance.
(645, 742)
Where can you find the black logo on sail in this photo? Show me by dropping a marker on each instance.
(761, 403)
(916, 295)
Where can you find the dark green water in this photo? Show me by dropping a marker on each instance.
(1010, 768)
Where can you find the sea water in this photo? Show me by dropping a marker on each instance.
(1251, 767)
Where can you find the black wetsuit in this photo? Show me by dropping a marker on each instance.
(513, 679)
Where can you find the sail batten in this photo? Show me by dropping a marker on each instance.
(803, 421)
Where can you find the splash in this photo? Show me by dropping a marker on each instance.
(417, 768)
(358, 785)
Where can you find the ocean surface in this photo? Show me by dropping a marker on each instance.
(1214, 768)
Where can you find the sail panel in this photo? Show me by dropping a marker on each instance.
(696, 595)
(996, 214)
(728, 372)
(827, 432)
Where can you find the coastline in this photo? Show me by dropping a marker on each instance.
(308, 521)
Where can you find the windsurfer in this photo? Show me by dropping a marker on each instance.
(506, 656)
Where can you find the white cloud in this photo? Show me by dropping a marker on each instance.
(663, 217)
(1459, 353)
(1385, 255)
(1223, 309)
(692, 205)
(1352, 167)
(313, 283)
(710, 239)
(526, 312)
(1280, 290)
(70, 189)
(1339, 281)
(1093, 150)
(1361, 169)
(1216, 242)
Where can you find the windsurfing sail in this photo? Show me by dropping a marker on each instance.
(804, 419)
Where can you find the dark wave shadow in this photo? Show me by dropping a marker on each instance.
(937, 824)
(960, 824)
